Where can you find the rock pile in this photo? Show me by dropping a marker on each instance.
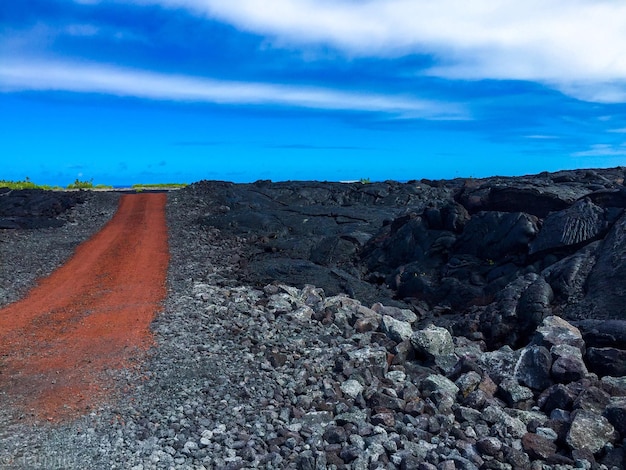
(360, 387)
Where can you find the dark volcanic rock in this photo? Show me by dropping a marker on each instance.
(494, 256)
(604, 333)
(35, 208)
(607, 361)
(497, 235)
(606, 285)
(539, 196)
(580, 223)
(478, 369)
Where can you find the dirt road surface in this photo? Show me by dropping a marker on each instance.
(89, 317)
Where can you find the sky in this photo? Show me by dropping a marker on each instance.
(146, 91)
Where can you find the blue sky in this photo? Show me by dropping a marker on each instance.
(182, 90)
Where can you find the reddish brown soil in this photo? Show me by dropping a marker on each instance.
(90, 316)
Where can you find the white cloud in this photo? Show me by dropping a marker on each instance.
(82, 30)
(576, 46)
(595, 91)
(77, 77)
(618, 131)
(603, 150)
(541, 137)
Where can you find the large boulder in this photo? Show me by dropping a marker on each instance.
(607, 361)
(555, 331)
(580, 223)
(606, 285)
(539, 196)
(495, 235)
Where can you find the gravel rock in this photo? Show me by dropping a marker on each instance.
(590, 431)
(432, 342)
(397, 330)
(538, 447)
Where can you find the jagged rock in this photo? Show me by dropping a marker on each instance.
(397, 330)
(609, 197)
(568, 276)
(513, 392)
(451, 217)
(489, 446)
(499, 321)
(500, 364)
(371, 358)
(352, 388)
(555, 331)
(538, 447)
(433, 341)
(605, 294)
(607, 361)
(438, 383)
(468, 382)
(453, 244)
(592, 398)
(403, 352)
(504, 424)
(590, 431)
(534, 306)
(494, 235)
(538, 197)
(604, 333)
(616, 386)
(401, 314)
(556, 397)
(615, 412)
(568, 365)
(367, 322)
(579, 223)
(533, 367)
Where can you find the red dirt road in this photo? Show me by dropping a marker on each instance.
(90, 316)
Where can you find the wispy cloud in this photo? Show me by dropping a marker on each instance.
(198, 143)
(316, 147)
(541, 137)
(618, 131)
(76, 77)
(603, 150)
(575, 46)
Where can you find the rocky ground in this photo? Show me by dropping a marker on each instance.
(254, 371)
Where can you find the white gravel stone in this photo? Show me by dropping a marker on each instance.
(352, 388)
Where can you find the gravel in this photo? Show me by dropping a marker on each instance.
(278, 377)
(26, 255)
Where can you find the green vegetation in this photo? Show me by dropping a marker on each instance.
(77, 184)
(365, 181)
(26, 183)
